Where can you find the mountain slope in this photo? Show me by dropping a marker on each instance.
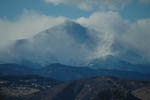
(98, 88)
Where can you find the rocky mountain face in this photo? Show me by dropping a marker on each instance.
(98, 88)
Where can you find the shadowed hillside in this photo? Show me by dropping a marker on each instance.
(98, 88)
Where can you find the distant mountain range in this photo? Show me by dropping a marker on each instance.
(112, 62)
(63, 72)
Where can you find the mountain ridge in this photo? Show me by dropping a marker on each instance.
(66, 72)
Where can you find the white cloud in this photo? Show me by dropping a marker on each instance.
(108, 25)
(131, 35)
(26, 25)
(89, 4)
(138, 36)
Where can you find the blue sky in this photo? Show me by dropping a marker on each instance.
(136, 11)
(12, 8)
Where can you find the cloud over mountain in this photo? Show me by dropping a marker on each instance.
(131, 35)
(45, 39)
(26, 25)
(67, 43)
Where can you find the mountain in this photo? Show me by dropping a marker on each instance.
(98, 88)
(20, 87)
(70, 43)
(65, 72)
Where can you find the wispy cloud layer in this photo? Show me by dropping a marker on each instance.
(98, 4)
(89, 4)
